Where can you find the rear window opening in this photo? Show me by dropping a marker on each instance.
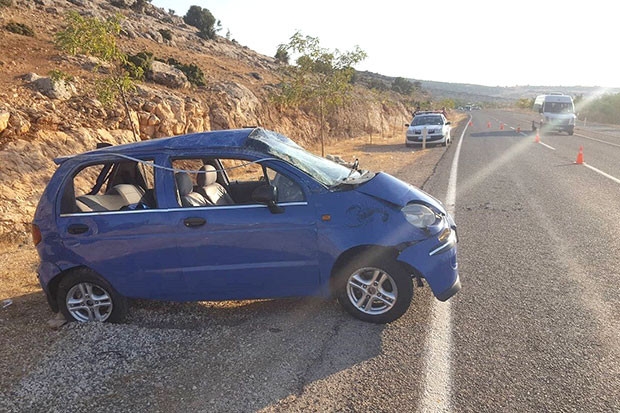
(110, 186)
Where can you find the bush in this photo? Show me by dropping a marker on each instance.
(20, 28)
(605, 109)
(402, 86)
(378, 85)
(282, 55)
(166, 34)
(203, 20)
(139, 64)
(118, 3)
(6, 3)
(140, 5)
(194, 74)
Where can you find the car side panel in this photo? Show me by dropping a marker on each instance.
(135, 251)
(246, 251)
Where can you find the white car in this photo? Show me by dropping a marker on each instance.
(437, 129)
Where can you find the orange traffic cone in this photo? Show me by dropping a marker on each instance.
(579, 160)
(501, 126)
(471, 123)
(537, 140)
(518, 129)
(488, 124)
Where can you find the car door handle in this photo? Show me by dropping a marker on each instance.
(194, 222)
(77, 229)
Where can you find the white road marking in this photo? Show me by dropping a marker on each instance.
(597, 140)
(437, 390)
(598, 171)
(544, 144)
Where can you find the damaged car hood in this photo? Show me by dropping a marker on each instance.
(388, 188)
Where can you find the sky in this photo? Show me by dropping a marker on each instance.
(482, 42)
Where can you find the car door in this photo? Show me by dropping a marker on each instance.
(131, 246)
(243, 250)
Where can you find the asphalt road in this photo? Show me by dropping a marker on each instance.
(537, 325)
(535, 328)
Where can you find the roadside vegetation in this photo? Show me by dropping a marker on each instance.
(605, 109)
(204, 21)
(20, 28)
(320, 80)
(96, 37)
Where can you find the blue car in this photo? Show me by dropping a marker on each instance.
(231, 215)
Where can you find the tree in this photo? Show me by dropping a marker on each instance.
(140, 5)
(402, 86)
(447, 103)
(377, 84)
(525, 103)
(97, 37)
(320, 78)
(282, 55)
(203, 20)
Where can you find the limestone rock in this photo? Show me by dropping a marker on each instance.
(54, 89)
(5, 116)
(167, 75)
(19, 123)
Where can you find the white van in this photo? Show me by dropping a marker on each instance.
(557, 112)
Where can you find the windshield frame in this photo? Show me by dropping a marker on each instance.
(322, 170)
(421, 120)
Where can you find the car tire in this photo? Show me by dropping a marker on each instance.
(84, 296)
(375, 291)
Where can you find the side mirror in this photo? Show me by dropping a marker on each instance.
(406, 124)
(448, 123)
(267, 194)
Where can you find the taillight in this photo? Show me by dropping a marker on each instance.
(36, 235)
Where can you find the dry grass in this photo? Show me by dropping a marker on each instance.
(18, 265)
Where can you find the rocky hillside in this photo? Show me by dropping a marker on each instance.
(42, 117)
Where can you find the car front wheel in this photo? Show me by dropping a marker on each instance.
(83, 296)
(375, 292)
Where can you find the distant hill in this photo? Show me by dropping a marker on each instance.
(464, 93)
(497, 94)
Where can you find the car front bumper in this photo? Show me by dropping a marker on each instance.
(436, 261)
(430, 138)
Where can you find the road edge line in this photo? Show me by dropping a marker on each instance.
(605, 174)
(437, 379)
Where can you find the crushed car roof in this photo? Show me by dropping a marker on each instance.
(228, 138)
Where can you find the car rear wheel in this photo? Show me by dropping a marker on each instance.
(377, 292)
(84, 296)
